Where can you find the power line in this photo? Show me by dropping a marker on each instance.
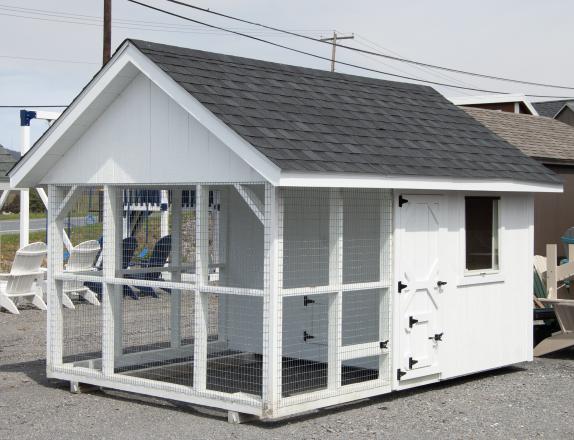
(45, 12)
(403, 60)
(52, 60)
(89, 20)
(33, 106)
(173, 14)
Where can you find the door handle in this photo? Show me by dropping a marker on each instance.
(440, 283)
(412, 321)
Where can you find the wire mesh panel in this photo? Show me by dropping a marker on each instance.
(305, 353)
(157, 338)
(336, 278)
(237, 250)
(235, 326)
(82, 335)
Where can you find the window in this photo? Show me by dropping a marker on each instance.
(481, 225)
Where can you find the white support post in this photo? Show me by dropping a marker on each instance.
(24, 193)
(201, 276)
(385, 297)
(112, 294)
(272, 301)
(55, 267)
(175, 260)
(164, 203)
(336, 298)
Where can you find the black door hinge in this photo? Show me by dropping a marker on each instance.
(307, 301)
(402, 201)
(307, 336)
(412, 362)
(384, 344)
(436, 337)
(412, 321)
(401, 286)
(400, 374)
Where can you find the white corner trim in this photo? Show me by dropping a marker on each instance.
(128, 54)
(342, 180)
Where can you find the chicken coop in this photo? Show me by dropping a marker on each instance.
(219, 233)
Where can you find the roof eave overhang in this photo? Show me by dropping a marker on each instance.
(347, 180)
(129, 61)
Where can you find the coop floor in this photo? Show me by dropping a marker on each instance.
(242, 372)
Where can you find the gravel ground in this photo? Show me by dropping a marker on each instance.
(532, 400)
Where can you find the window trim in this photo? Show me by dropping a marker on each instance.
(480, 276)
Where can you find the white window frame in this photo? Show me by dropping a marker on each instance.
(480, 276)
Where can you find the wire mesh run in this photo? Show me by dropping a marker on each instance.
(174, 288)
(335, 288)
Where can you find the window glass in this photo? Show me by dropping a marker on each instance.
(481, 225)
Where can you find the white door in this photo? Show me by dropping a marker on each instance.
(419, 284)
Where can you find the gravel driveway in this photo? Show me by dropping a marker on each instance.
(533, 400)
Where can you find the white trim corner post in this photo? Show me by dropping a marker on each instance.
(55, 287)
(335, 298)
(272, 301)
(201, 279)
(112, 297)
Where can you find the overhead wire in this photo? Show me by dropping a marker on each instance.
(404, 60)
(272, 43)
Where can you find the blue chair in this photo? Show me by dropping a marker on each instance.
(158, 258)
(129, 246)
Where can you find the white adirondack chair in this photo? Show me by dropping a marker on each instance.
(82, 259)
(563, 308)
(24, 278)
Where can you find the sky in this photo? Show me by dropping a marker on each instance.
(50, 50)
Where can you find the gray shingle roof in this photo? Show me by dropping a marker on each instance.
(549, 108)
(7, 160)
(312, 120)
(536, 136)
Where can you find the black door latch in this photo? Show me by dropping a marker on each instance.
(412, 362)
(402, 201)
(400, 374)
(307, 336)
(440, 283)
(384, 344)
(307, 301)
(401, 286)
(436, 337)
(412, 321)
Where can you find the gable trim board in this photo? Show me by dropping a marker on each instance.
(129, 60)
(25, 173)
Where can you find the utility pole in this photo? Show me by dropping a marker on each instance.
(107, 31)
(333, 40)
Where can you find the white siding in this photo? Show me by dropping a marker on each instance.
(486, 325)
(145, 137)
(490, 325)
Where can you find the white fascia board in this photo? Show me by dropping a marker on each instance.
(27, 172)
(334, 180)
(494, 99)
